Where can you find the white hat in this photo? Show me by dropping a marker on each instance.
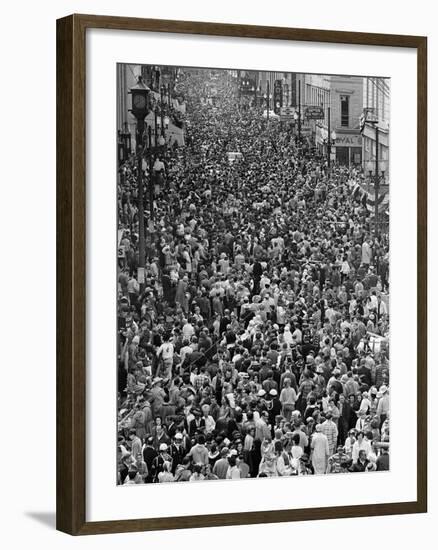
(273, 392)
(261, 393)
(383, 389)
(178, 435)
(163, 447)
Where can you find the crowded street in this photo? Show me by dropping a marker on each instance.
(253, 305)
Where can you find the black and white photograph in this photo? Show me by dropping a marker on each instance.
(252, 255)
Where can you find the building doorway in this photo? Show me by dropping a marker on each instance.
(342, 156)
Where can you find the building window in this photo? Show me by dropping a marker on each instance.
(345, 100)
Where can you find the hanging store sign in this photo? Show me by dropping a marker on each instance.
(314, 112)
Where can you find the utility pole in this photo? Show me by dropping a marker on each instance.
(162, 109)
(151, 177)
(377, 184)
(141, 234)
(267, 101)
(140, 95)
(329, 139)
(299, 112)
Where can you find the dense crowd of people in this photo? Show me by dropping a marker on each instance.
(256, 342)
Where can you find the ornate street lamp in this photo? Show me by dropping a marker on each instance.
(267, 97)
(140, 96)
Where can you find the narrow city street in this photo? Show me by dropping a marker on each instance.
(253, 296)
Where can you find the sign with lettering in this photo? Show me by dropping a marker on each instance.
(287, 113)
(348, 140)
(278, 96)
(314, 112)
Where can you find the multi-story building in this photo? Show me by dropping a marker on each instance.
(346, 107)
(298, 90)
(376, 99)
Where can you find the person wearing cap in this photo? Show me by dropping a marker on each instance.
(274, 408)
(261, 393)
(158, 462)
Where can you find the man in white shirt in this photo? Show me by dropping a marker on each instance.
(188, 330)
(165, 352)
(207, 419)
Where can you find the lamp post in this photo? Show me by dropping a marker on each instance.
(155, 127)
(140, 96)
(162, 109)
(151, 176)
(120, 148)
(297, 122)
(376, 184)
(299, 112)
(331, 138)
(268, 102)
(126, 138)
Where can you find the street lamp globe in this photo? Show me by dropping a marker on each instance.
(161, 141)
(333, 135)
(140, 94)
(166, 122)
